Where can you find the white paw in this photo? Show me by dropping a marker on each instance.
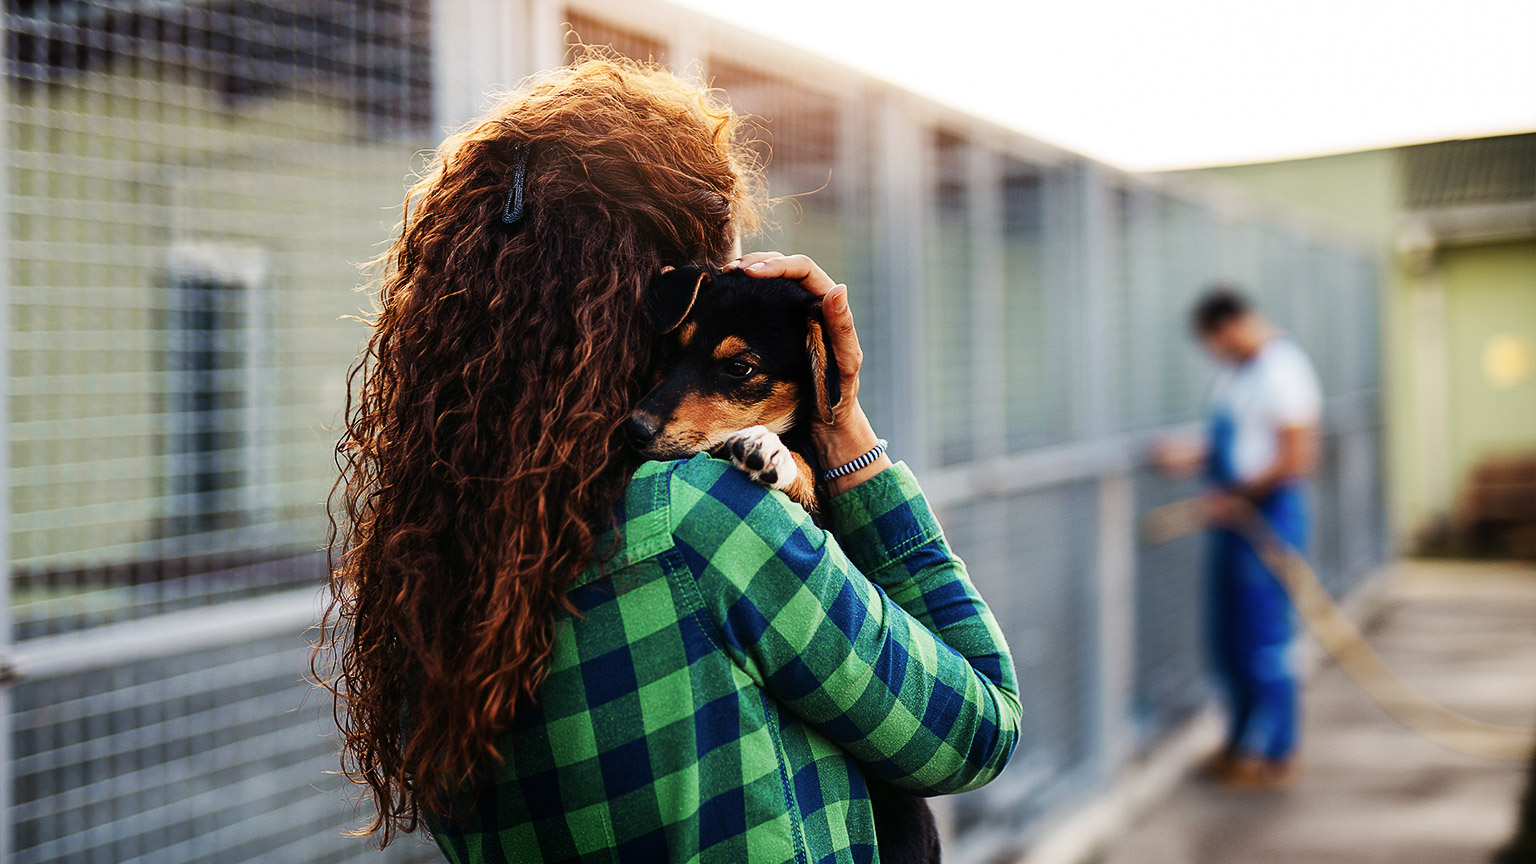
(759, 452)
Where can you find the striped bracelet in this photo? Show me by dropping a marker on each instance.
(850, 467)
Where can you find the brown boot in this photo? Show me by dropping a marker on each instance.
(1281, 773)
(1257, 774)
(1219, 767)
(1247, 772)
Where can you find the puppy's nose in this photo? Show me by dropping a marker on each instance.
(642, 428)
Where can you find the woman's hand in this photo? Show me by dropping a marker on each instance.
(849, 435)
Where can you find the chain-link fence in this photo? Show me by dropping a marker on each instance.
(188, 190)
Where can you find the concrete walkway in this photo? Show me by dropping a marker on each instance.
(1371, 790)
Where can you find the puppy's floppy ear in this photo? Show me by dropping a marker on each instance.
(825, 379)
(670, 296)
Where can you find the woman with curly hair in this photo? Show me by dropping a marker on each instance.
(546, 649)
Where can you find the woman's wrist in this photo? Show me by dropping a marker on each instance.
(839, 485)
(843, 442)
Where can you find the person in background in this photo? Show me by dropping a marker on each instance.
(1261, 446)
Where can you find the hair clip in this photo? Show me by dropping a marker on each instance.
(513, 210)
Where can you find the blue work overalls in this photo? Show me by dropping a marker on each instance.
(1250, 624)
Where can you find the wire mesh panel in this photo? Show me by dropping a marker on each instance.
(1377, 545)
(1324, 552)
(215, 756)
(1361, 288)
(1238, 255)
(1283, 286)
(191, 188)
(798, 131)
(1187, 267)
(1359, 491)
(1171, 602)
(947, 313)
(1037, 299)
(1032, 556)
(1312, 288)
(1341, 329)
(1137, 281)
(1349, 519)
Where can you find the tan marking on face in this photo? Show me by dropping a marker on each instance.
(685, 335)
(730, 346)
(702, 423)
(777, 412)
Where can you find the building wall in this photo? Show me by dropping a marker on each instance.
(1357, 190)
(1491, 305)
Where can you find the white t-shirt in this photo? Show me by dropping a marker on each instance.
(1275, 390)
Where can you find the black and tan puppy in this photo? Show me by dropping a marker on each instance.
(745, 366)
(748, 367)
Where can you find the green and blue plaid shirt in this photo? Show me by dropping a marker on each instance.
(734, 675)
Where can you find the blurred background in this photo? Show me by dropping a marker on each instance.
(189, 186)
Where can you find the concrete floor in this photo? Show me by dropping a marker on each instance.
(1371, 790)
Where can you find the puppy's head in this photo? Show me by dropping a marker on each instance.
(741, 351)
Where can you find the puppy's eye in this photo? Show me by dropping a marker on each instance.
(739, 369)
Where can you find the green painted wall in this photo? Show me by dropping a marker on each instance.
(1357, 190)
(1490, 295)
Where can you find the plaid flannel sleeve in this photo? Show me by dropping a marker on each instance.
(926, 701)
(891, 535)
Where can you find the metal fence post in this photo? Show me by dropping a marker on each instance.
(5, 467)
(1115, 594)
(1143, 296)
(900, 213)
(480, 45)
(1096, 348)
(984, 177)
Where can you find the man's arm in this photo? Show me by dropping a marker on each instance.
(1296, 402)
(1299, 448)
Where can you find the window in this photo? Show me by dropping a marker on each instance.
(218, 461)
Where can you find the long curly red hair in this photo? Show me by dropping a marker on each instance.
(483, 445)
